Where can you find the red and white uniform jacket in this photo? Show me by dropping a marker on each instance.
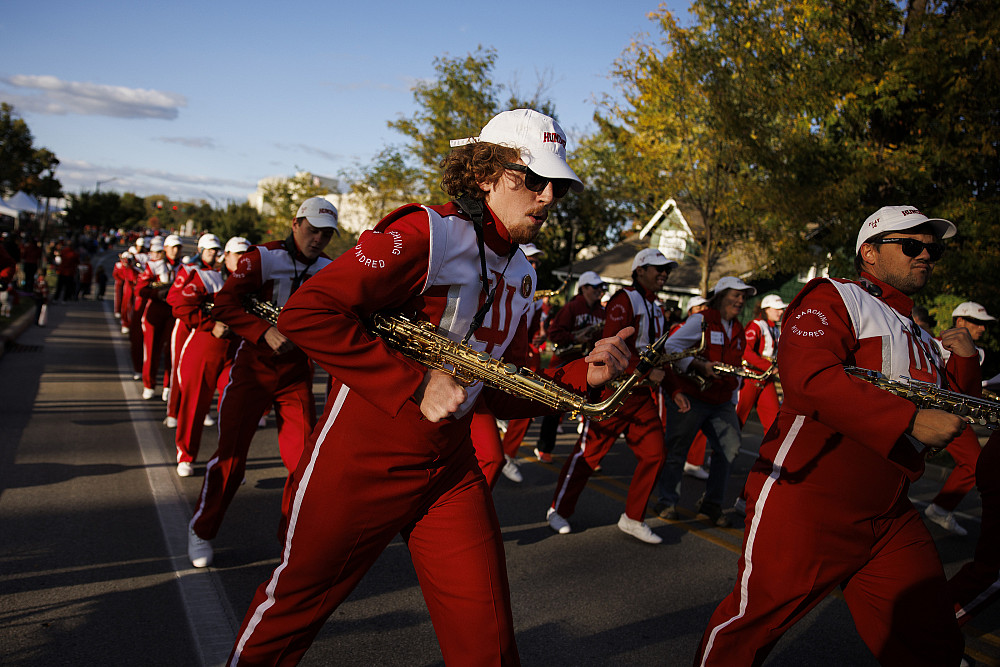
(423, 262)
(840, 432)
(723, 343)
(761, 344)
(191, 289)
(271, 273)
(157, 271)
(571, 318)
(634, 307)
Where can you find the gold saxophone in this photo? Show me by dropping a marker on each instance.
(579, 348)
(926, 395)
(745, 371)
(252, 304)
(423, 342)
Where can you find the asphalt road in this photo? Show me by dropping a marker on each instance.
(93, 566)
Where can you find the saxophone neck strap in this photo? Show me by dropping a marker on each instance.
(474, 209)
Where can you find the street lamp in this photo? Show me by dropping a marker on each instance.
(98, 188)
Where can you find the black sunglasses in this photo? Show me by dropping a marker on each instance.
(913, 247)
(536, 183)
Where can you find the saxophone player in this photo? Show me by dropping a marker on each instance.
(267, 371)
(392, 453)
(827, 501)
(640, 419)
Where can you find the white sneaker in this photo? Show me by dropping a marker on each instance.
(556, 522)
(944, 519)
(208, 420)
(118, 316)
(124, 331)
(199, 551)
(695, 471)
(148, 393)
(740, 506)
(166, 394)
(185, 469)
(638, 529)
(136, 376)
(170, 422)
(511, 470)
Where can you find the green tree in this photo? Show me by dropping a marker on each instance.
(385, 184)
(238, 220)
(668, 132)
(593, 219)
(21, 164)
(104, 210)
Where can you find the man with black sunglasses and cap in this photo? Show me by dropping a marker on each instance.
(268, 369)
(827, 501)
(392, 454)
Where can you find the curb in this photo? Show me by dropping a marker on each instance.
(9, 335)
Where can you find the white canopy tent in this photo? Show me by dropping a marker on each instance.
(7, 210)
(22, 201)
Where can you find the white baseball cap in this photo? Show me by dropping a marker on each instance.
(530, 250)
(773, 301)
(590, 278)
(539, 138)
(732, 282)
(972, 310)
(899, 218)
(209, 241)
(237, 244)
(173, 239)
(696, 301)
(142, 241)
(319, 212)
(650, 257)
(156, 245)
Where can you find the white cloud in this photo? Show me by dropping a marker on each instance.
(57, 97)
(190, 142)
(311, 150)
(79, 175)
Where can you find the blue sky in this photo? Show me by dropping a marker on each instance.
(200, 100)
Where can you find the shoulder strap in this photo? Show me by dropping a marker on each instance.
(474, 209)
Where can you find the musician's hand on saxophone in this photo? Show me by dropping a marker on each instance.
(439, 395)
(704, 368)
(959, 341)
(277, 341)
(609, 358)
(936, 428)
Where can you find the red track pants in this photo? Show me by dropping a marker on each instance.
(254, 385)
(641, 420)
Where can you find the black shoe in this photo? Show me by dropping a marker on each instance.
(713, 513)
(666, 512)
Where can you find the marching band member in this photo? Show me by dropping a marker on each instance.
(827, 501)
(205, 351)
(157, 320)
(713, 405)
(268, 368)
(392, 454)
(640, 418)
